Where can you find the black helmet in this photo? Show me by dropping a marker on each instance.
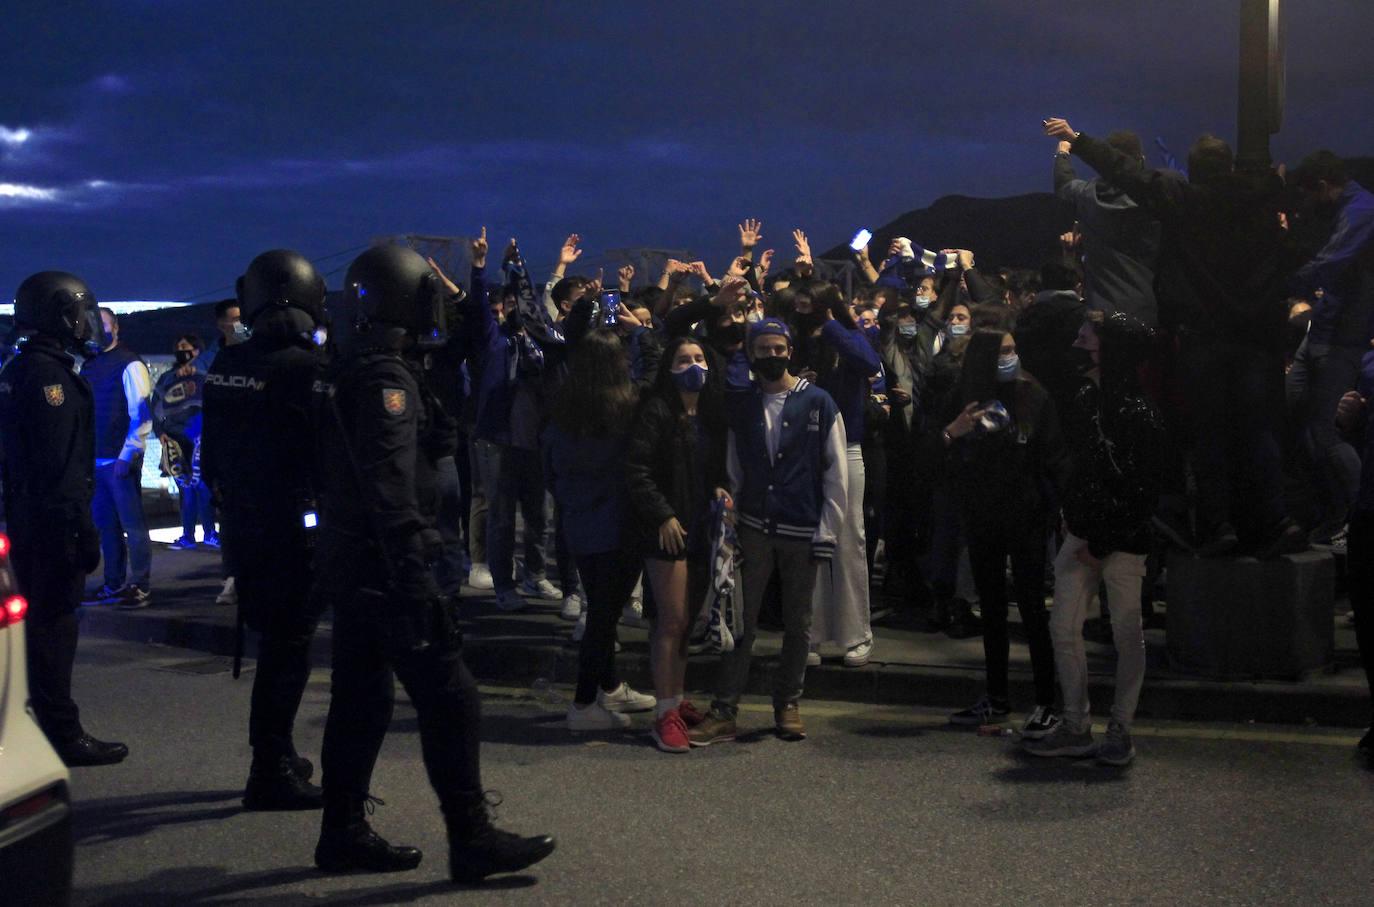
(60, 305)
(280, 279)
(392, 293)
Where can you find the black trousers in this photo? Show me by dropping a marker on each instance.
(273, 582)
(44, 560)
(990, 541)
(1360, 564)
(362, 696)
(608, 578)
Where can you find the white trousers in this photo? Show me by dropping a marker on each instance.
(840, 606)
(1074, 586)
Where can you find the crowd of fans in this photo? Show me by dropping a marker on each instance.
(773, 447)
(885, 452)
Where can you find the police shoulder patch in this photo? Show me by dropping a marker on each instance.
(394, 400)
(54, 394)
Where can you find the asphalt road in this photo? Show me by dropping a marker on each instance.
(879, 805)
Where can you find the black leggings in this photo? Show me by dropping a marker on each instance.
(1022, 537)
(608, 578)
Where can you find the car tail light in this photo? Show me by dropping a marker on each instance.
(15, 609)
(4, 545)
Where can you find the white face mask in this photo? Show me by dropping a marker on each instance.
(754, 317)
(1008, 368)
(924, 301)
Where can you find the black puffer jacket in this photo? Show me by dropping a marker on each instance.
(1116, 441)
(661, 468)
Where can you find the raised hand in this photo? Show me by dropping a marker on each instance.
(803, 247)
(570, 252)
(765, 260)
(626, 274)
(749, 234)
(439, 272)
(479, 250)
(699, 269)
(731, 292)
(1059, 128)
(739, 266)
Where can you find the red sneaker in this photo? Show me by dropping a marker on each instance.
(670, 734)
(691, 715)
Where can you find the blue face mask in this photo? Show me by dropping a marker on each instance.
(690, 378)
(873, 333)
(1008, 368)
(907, 331)
(958, 330)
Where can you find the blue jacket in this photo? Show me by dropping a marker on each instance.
(801, 493)
(848, 383)
(1344, 270)
(586, 477)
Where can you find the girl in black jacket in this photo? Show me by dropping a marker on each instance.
(1005, 473)
(675, 464)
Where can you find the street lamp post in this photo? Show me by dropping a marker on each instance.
(1259, 111)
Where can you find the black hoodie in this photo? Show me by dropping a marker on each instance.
(1115, 440)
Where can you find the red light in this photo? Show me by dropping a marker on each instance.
(15, 609)
(4, 545)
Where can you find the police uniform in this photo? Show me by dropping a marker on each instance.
(47, 424)
(256, 452)
(382, 436)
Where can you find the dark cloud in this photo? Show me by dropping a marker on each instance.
(168, 142)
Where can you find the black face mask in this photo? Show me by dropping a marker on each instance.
(185, 356)
(771, 368)
(727, 337)
(106, 338)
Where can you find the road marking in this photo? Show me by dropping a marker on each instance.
(885, 714)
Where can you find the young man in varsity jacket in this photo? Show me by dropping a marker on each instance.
(786, 460)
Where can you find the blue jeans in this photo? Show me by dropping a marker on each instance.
(195, 505)
(1321, 374)
(117, 510)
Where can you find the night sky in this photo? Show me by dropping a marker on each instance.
(155, 147)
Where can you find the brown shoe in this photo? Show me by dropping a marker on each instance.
(712, 729)
(788, 721)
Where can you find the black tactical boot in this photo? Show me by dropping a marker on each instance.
(347, 842)
(273, 784)
(477, 849)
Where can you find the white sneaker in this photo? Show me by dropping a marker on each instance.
(541, 588)
(813, 659)
(595, 717)
(572, 607)
(580, 629)
(624, 699)
(509, 601)
(633, 614)
(857, 656)
(479, 577)
(228, 595)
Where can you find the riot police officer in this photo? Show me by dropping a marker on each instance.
(256, 454)
(382, 435)
(47, 427)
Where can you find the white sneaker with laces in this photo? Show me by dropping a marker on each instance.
(572, 607)
(541, 588)
(509, 601)
(228, 595)
(624, 699)
(633, 614)
(857, 656)
(595, 717)
(479, 577)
